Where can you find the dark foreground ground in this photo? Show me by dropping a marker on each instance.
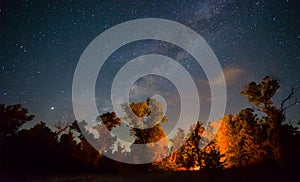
(225, 175)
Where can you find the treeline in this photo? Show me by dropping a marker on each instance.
(257, 136)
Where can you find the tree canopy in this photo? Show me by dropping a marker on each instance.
(259, 134)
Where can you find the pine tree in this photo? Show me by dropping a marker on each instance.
(190, 151)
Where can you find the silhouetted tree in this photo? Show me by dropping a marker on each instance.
(210, 158)
(32, 149)
(177, 141)
(145, 120)
(189, 153)
(11, 118)
(260, 95)
(239, 139)
(290, 138)
(110, 120)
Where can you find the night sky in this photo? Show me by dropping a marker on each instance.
(41, 44)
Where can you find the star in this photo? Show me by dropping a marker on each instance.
(40, 49)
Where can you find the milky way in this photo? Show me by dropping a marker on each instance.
(41, 43)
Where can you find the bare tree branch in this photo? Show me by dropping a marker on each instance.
(283, 106)
(62, 130)
(291, 105)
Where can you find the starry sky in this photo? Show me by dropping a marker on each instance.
(41, 44)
